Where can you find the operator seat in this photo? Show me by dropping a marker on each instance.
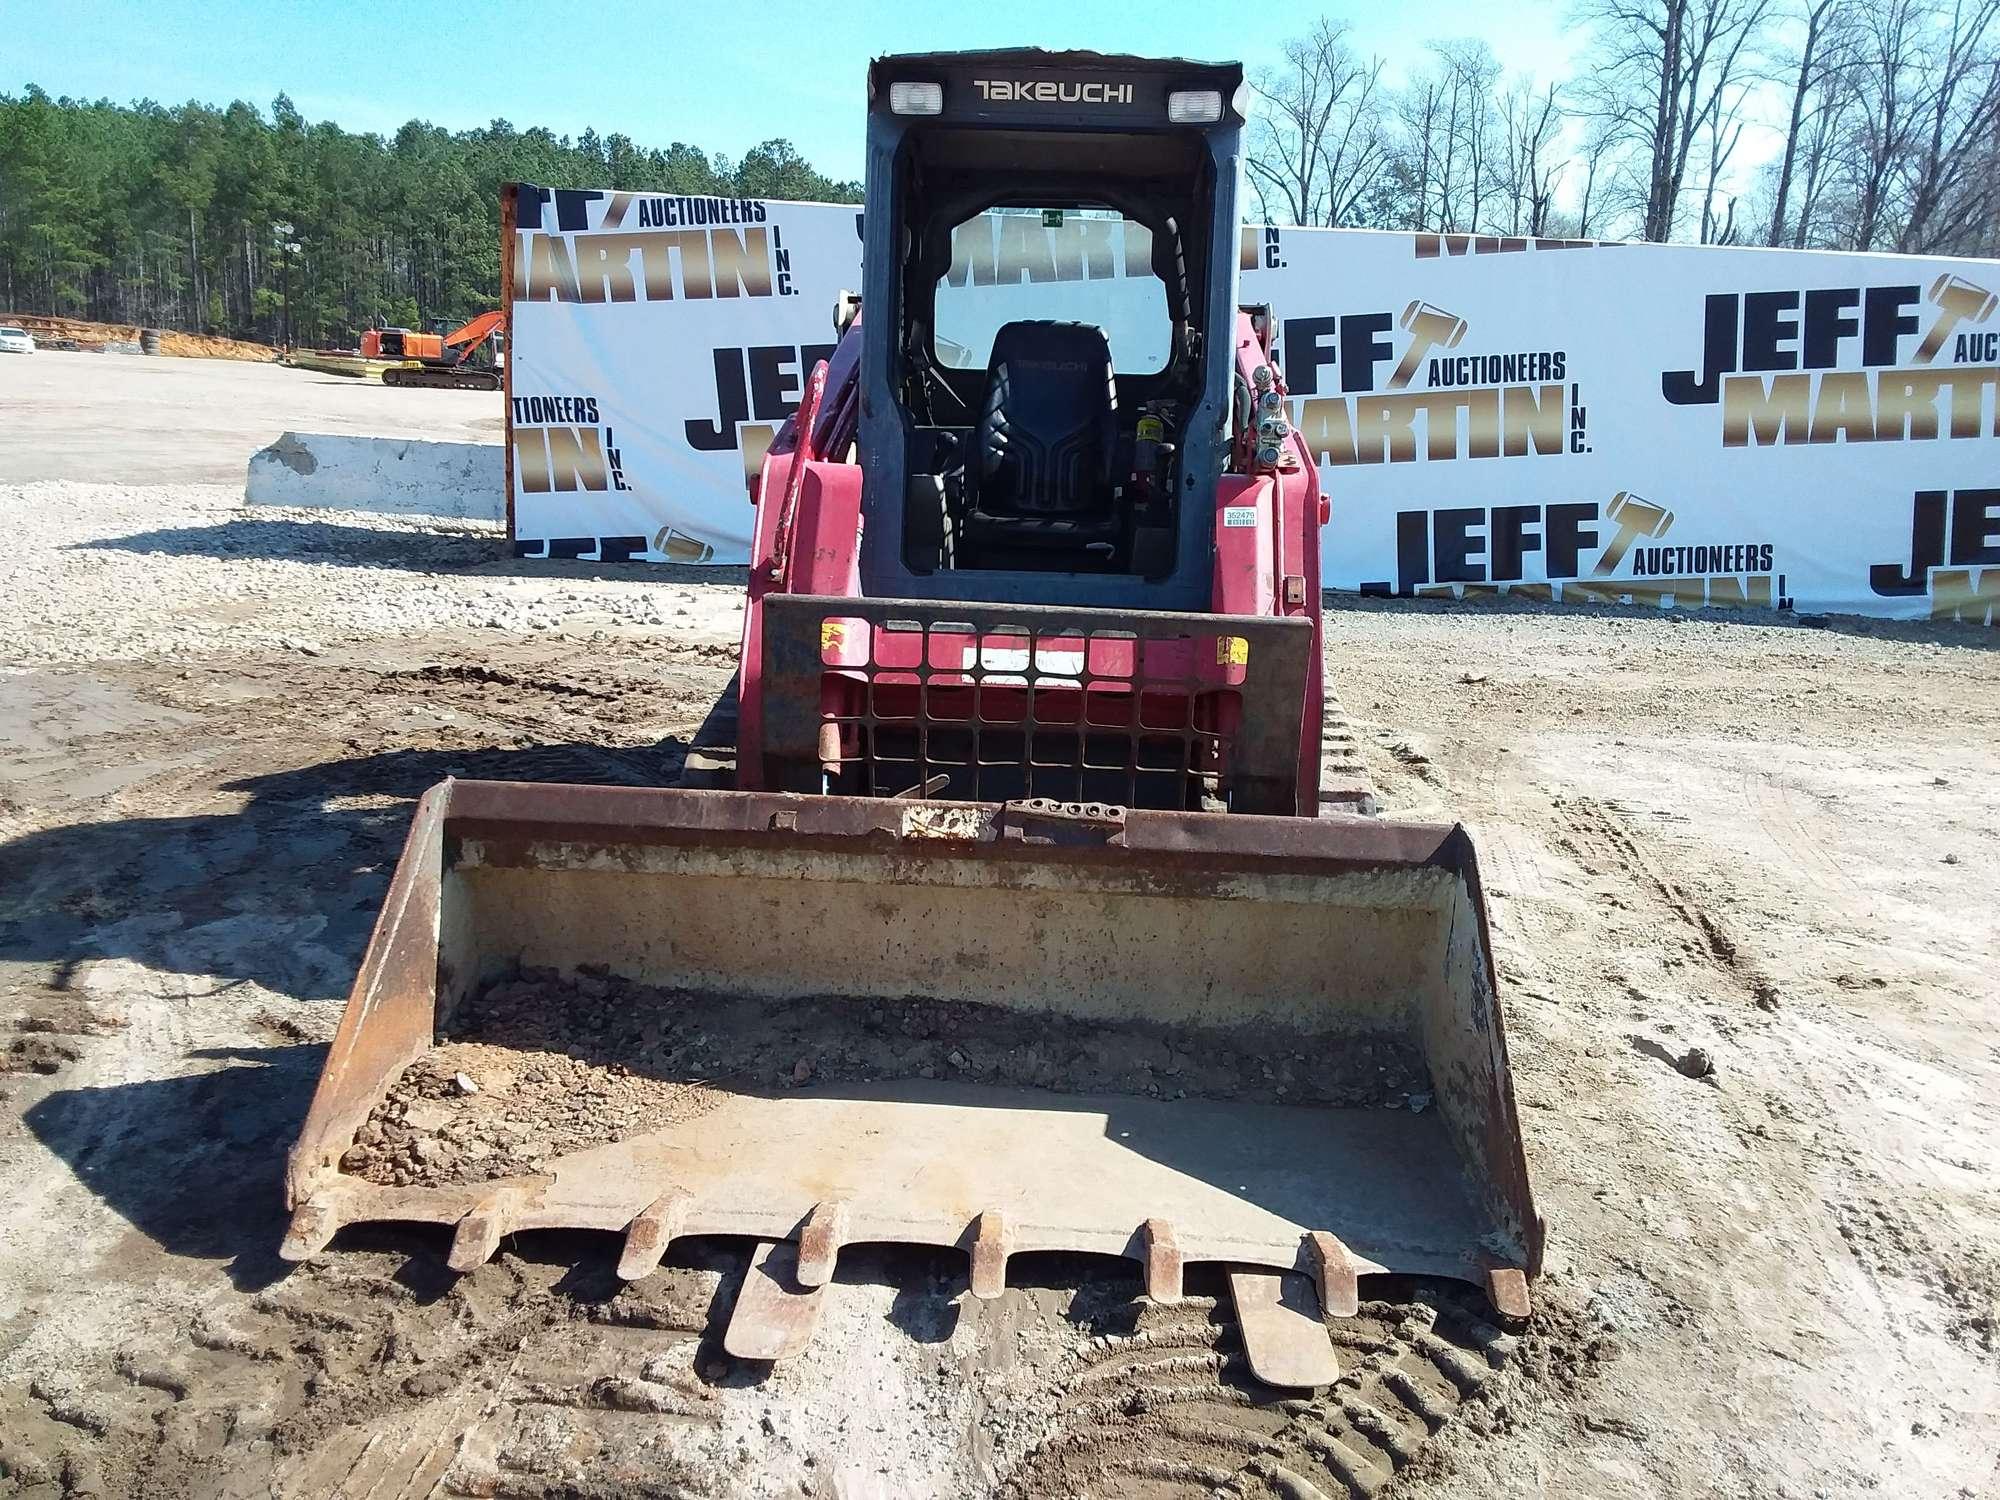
(1044, 450)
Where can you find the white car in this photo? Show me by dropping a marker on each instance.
(15, 341)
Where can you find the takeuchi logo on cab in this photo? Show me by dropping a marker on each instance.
(1374, 388)
(1856, 364)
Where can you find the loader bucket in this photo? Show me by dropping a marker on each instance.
(1331, 947)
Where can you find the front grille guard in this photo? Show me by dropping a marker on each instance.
(999, 702)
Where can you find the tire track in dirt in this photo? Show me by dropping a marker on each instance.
(1848, 1210)
(1772, 802)
(512, 1378)
(1171, 1409)
(378, 1376)
(1602, 841)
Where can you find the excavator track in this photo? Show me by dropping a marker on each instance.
(443, 380)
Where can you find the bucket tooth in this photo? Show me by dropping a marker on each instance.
(820, 1241)
(774, 1316)
(990, 1249)
(648, 1236)
(313, 1226)
(1507, 1290)
(1283, 1337)
(1163, 1261)
(477, 1236)
(1334, 1270)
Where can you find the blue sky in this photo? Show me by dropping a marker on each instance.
(719, 76)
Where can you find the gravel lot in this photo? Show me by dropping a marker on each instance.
(123, 419)
(1774, 843)
(195, 573)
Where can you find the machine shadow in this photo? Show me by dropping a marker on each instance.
(443, 545)
(194, 1162)
(281, 894)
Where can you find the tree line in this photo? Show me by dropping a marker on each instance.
(1885, 114)
(203, 219)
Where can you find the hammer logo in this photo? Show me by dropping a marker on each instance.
(1636, 520)
(678, 546)
(1429, 328)
(1958, 301)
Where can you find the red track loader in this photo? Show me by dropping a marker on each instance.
(1030, 716)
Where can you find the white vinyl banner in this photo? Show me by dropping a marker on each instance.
(1670, 425)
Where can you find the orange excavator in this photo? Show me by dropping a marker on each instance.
(438, 360)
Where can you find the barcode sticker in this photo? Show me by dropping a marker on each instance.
(1234, 516)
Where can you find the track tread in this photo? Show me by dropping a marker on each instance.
(1181, 1391)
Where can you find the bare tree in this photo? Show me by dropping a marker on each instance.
(1958, 110)
(1664, 68)
(1318, 145)
(1599, 146)
(1533, 124)
(1724, 132)
(1890, 111)
(1418, 111)
(1818, 159)
(1884, 78)
(1821, 51)
(1445, 151)
(1449, 149)
(1475, 74)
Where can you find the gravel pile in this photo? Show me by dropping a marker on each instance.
(544, 1065)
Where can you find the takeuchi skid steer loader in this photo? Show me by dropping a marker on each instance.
(1030, 707)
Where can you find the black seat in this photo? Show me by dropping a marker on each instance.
(1044, 451)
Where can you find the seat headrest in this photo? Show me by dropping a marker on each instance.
(1052, 348)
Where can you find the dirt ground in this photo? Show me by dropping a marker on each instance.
(1776, 843)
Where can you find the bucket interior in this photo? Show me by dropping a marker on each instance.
(938, 1029)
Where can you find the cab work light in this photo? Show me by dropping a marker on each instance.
(1194, 106)
(916, 98)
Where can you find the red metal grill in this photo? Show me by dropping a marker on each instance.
(995, 703)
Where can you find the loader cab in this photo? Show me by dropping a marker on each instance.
(1050, 285)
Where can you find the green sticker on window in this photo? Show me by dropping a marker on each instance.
(1052, 218)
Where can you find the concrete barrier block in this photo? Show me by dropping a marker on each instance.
(388, 476)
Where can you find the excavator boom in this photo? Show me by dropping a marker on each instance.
(468, 337)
